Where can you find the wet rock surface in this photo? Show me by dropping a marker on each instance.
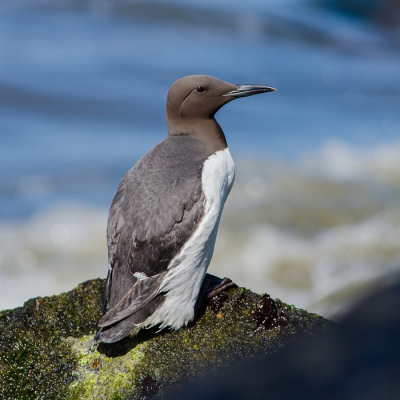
(47, 349)
(359, 358)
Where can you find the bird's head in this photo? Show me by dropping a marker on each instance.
(196, 98)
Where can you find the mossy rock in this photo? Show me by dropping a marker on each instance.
(47, 349)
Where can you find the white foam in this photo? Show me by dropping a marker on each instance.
(316, 233)
(51, 252)
(339, 161)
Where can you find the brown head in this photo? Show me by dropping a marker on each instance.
(193, 101)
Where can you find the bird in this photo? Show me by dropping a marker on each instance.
(164, 217)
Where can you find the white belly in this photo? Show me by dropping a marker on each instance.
(186, 271)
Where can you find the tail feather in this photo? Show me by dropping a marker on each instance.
(130, 325)
(116, 332)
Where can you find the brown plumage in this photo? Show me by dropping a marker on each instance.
(159, 205)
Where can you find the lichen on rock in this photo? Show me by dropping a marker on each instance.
(36, 362)
(47, 349)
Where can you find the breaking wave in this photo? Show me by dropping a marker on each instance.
(316, 232)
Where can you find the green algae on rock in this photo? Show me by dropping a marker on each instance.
(35, 360)
(47, 349)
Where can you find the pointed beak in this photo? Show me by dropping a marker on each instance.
(249, 90)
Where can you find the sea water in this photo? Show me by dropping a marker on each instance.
(314, 215)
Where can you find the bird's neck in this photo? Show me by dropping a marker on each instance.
(207, 130)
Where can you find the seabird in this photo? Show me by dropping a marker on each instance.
(164, 217)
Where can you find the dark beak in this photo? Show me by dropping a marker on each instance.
(249, 90)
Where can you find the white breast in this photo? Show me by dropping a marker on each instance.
(186, 271)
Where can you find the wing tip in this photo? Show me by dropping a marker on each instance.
(116, 333)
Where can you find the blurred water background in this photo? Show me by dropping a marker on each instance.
(314, 215)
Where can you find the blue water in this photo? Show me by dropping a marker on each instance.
(82, 91)
(314, 213)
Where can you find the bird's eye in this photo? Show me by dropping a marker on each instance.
(200, 89)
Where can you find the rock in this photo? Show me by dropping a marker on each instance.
(47, 349)
(358, 359)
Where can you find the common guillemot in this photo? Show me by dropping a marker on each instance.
(164, 217)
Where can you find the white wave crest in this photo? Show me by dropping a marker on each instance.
(317, 232)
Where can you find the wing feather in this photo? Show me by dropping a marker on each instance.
(141, 293)
(153, 213)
